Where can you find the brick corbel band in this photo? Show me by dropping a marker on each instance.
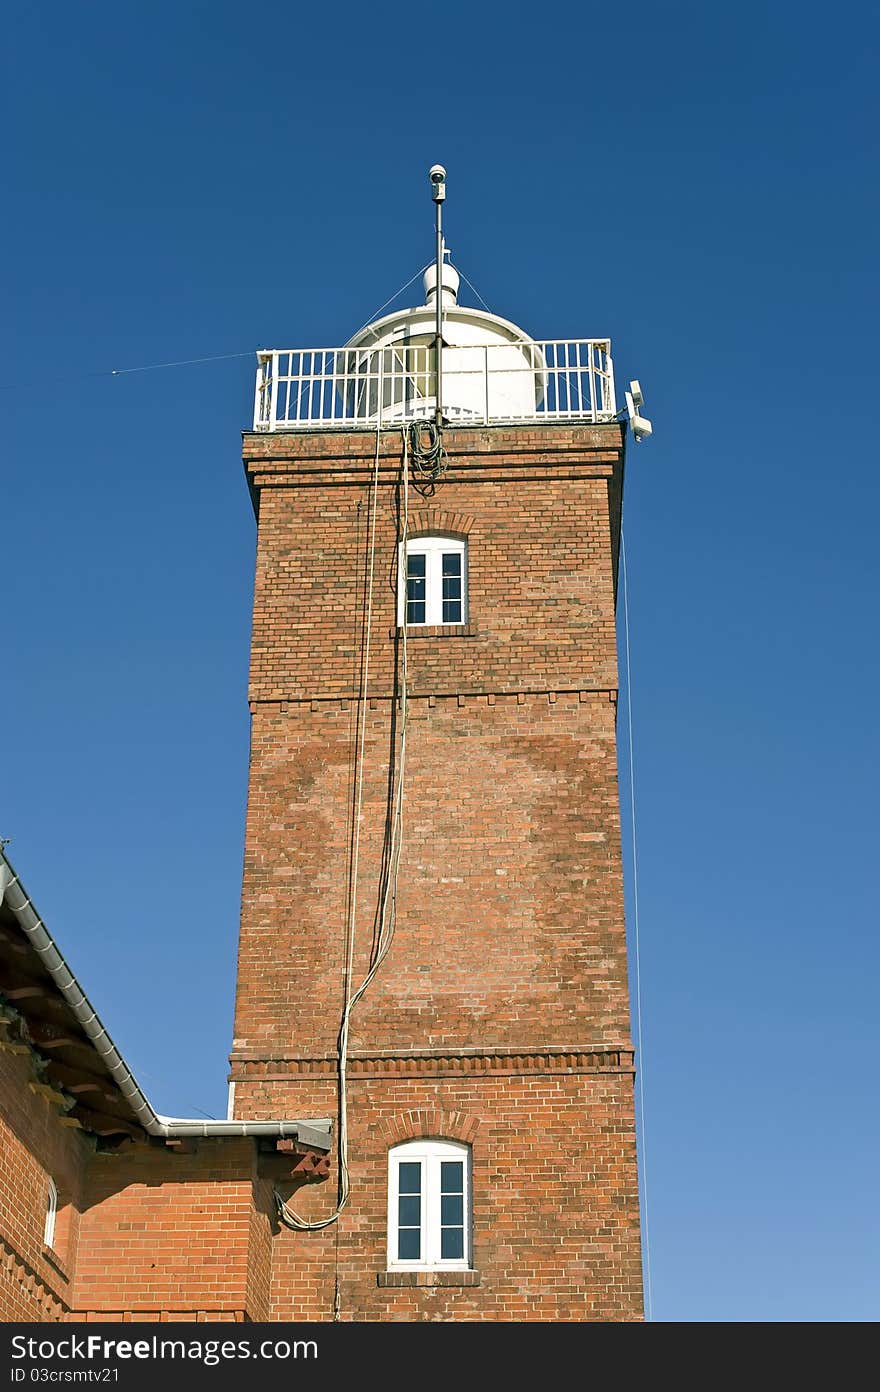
(451, 1063)
(17, 1271)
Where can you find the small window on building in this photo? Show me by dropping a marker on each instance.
(51, 1215)
(429, 1206)
(433, 586)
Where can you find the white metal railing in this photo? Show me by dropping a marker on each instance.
(334, 388)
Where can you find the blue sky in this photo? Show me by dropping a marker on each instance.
(694, 180)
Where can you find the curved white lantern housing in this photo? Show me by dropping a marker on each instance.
(492, 370)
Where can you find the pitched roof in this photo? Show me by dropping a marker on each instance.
(45, 1014)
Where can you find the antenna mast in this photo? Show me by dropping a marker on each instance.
(438, 193)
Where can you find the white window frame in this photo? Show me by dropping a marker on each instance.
(51, 1214)
(433, 548)
(429, 1154)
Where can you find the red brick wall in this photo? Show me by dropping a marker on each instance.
(509, 898)
(556, 1233)
(260, 1234)
(34, 1145)
(534, 506)
(167, 1234)
(504, 997)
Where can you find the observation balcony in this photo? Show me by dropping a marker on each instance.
(370, 385)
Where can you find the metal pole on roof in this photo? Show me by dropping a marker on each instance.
(438, 193)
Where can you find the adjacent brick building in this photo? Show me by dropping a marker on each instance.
(108, 1211)
(455, 778)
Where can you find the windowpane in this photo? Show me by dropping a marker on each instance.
(451, 587)
(451, 1210)
(452, 563)
(416, 590)
(409, 1244)
(452, 611)
(409, 1211)
(451, 1177)
(452, 1243)
(410, 1178)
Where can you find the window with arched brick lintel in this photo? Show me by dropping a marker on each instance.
(429, 1205)
(433, 581)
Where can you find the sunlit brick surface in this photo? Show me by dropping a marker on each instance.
(504, 998)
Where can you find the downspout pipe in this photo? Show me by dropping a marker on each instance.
(314, 1132)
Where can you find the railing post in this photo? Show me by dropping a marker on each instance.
(273, 391)
(486, 384)
(611, 398)
(380, 386)
(592, 366)
(258, 394)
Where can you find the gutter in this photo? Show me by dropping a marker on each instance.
(314, 1132)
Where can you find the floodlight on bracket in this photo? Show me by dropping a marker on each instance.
(640, 425)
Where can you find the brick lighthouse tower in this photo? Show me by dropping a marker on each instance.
(432, 941)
